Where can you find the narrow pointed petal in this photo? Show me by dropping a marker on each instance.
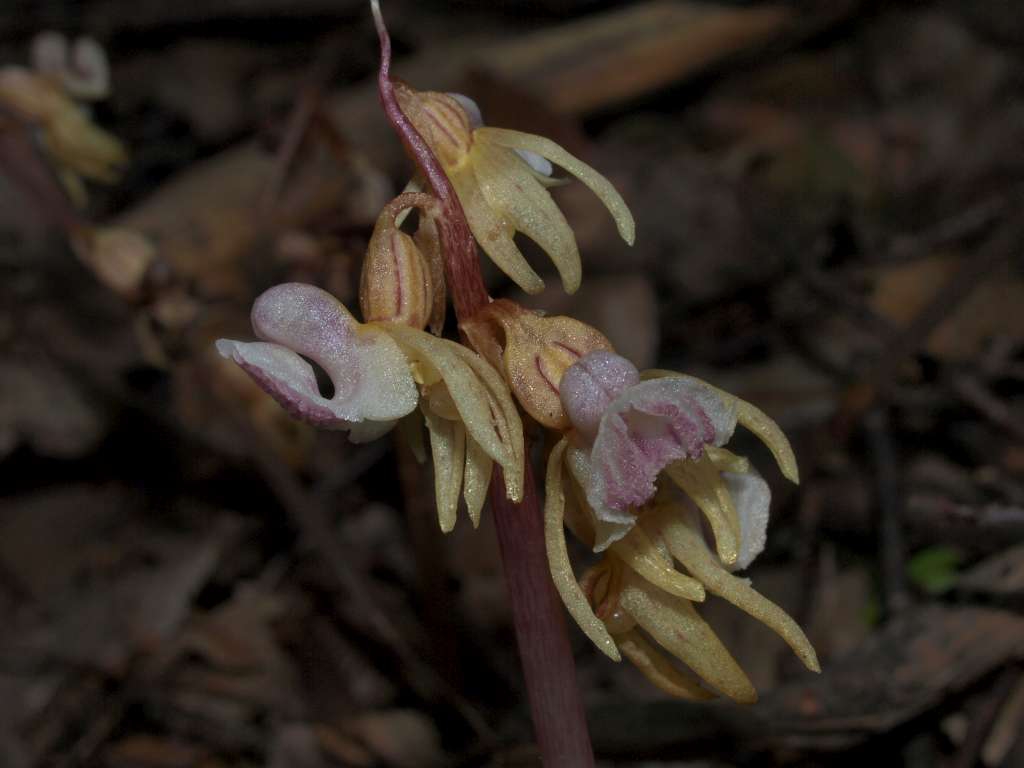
(558, 558)
(650, 426)
(642, 555)
(475, 480)
(370, 374)
(769, 433)
(706, 490)
(493, 231)
(448, 449)
(687, 545)
(751, 417)
(505, 422)
(546, 148)
(679, 629)
(479, 394)
(509, 186)
(660, 671)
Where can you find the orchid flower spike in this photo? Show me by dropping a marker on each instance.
(642, 464)
(45, 99)
(381, 372)
(500, 177)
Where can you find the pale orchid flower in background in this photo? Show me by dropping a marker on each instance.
(500, 177)
(80, 67)
(381, 372)
(44, 99)
(644, 462)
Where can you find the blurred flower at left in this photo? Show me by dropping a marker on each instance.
(47, 99)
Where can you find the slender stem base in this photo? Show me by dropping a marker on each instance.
(555, 703)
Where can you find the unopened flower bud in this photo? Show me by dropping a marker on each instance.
(534, 352)
(441, 120)
(397, 284)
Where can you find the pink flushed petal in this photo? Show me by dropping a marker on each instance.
(649, 426)
(288, 379)
(310, 321)
(370, 374)
(590, 386)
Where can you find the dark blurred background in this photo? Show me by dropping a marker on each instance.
(828, 201)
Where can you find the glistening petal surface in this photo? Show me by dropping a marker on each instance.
(648, 427)
(369, 372)
(509, 186)
(548, 149)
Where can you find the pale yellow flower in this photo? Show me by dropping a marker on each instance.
(499, 176)
(641, 470)
(45, 100)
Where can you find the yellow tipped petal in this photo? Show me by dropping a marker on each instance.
(678, 628)
(508, 184)
(687, 545)
(558, 558)
(769, 433)
(508, 427)
(642, 555)
(693, 478)
(448, 449)
(479, 394)
(597, 183)
(475, 479)
(726, 461)
(655, 667)
(493, 231)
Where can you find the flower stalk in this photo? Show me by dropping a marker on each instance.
(461, 266)
(556, 706)
(638, 472)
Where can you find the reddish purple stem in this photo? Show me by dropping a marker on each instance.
(549, 670)
(556, 706)
(461, 266)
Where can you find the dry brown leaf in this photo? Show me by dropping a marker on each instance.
(991, 309)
